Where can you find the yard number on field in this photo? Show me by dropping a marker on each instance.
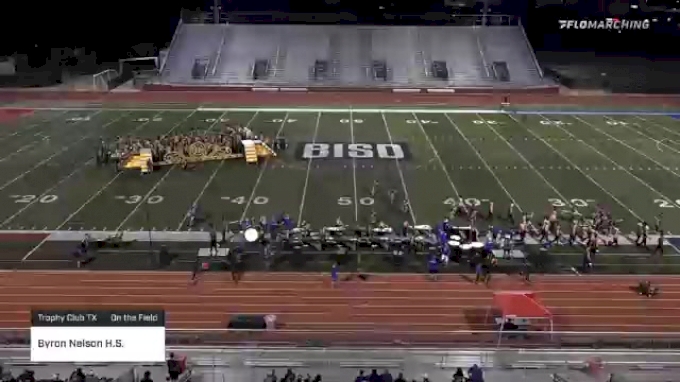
(34, 198)
(554, 123)
(662, 203)
(487, 121)
(347, 201)
(472, 202)
(134, 199)
(79, 119)
(351, 121)
(616, 123)
(244, 200)
(279, 120)
(555, 202)
(155, 119)
(422, 121)
(213, 120)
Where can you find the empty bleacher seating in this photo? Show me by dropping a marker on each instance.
(500, 70)
(350, 54)
(440, 70)
(261, 69)
(380, 70)
(320, 69)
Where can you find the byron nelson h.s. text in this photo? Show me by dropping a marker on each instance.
(80, 344)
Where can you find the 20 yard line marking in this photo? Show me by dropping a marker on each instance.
(63, 150)
(264, 167)
(354, 167)
(210, 180)
(574, 165)
(67, 177)
(484, 162)
(309, 168)
(94, 196)
(401, 174)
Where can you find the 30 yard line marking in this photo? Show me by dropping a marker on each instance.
(531, 166)
(264, 167)
(574, 165)
(354, 167)
(210, 179)
(401, 173)
(622, 168)
(62, 180)
(158, 183)
(484, 162)
(436, 155)
(309, 169)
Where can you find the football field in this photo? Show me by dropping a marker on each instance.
(431, 158)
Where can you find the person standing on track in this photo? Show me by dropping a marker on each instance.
(334, 275)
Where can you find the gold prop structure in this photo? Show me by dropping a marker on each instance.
(200, 152)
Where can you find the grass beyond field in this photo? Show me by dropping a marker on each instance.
(48, 179)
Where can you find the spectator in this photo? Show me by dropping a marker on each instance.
(290, 376)
(374, 377)
(271, 377)
(426, 378)
(29, 376)
(317, 378)
(476, 374)
(386, 376)
(147, 377)
(174, 368)
(361, 377)
(77, 376)
(400, 378)
(458, 376)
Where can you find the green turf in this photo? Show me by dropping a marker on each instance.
(588, 159)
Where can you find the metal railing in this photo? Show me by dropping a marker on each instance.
(400, 338)
(200, 17)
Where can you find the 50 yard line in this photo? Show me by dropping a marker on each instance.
(354, 167)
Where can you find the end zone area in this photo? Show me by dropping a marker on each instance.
(429, 157)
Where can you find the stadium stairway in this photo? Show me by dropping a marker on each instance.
(250, 151)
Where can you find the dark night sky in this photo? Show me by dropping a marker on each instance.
(118, 25)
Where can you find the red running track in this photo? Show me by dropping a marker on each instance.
(385, 308)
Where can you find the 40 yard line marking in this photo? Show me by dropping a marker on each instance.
(354, 167)
(401, 174)
(309, 169)
(210, 179)
(264, 167)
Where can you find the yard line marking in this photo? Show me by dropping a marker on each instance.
(436, 155)
(99, 192)
(401, 174)
(264, 167)
(574, 165)
(210, 180)
(531, 166)
(62, 180)
(625, 145)
(484, 162)
(20, 149)
(31, 126)
(354, 167)
(158, 183)
(63, 150)
(620, 167)
(60, 226)
(657, 141)
(309, 168)
(658, 124)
